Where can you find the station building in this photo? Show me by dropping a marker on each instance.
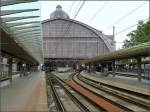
(66, 41)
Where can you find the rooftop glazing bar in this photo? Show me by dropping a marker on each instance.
(21, 21)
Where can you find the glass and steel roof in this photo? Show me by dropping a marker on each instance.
(21, 19)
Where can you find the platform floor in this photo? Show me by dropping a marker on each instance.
(121, 82)
(25, 94)
(135, 75)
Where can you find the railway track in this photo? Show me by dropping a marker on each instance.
(126, 101)
(59, 104)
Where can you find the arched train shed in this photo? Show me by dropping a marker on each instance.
(67, 40)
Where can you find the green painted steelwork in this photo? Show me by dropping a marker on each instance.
(133, 52)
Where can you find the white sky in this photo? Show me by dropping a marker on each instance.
(111, 13)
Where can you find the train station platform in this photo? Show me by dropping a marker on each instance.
(126, 83)
(25, 94)
(133, 75)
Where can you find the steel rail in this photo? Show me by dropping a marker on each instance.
(59, 105)
(81, 106)
(114, 93)
(93, 97)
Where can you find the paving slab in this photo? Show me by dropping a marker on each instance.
(25, 94)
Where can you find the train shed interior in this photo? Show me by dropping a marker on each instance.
(61, 64)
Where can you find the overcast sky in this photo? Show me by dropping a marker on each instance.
(111, 12)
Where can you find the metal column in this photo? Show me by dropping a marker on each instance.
(139, 68)
(10, 61)
(113, 67)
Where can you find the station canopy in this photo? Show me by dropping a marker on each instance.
(21, 23)
(141, 50)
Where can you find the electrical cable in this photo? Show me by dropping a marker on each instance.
(77, 7)
(70, 24)
(71, 6)
(98, 11)
(122, 18)
(128, 27)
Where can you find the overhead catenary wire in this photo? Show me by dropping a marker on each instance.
(98, 11)
(71, 6)
(77, 7)
(128, 27)
(69, 25)
(125, 16)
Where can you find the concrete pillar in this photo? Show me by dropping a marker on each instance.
(139, 68)
(10, 61)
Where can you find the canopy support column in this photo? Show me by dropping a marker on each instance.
(89, 67)
(92, 67)
(113, 67)
(139, 68)
(21, 69)
(10, 61)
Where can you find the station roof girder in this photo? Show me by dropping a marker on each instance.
(23, 23)
(25, 27)
(23, 30)
(12, 2)
(10, 47)
(27, 30)
(10, 19)
(26, 34)
(8, 12)
(33, 36)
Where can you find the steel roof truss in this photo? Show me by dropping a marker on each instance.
(8, 12)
